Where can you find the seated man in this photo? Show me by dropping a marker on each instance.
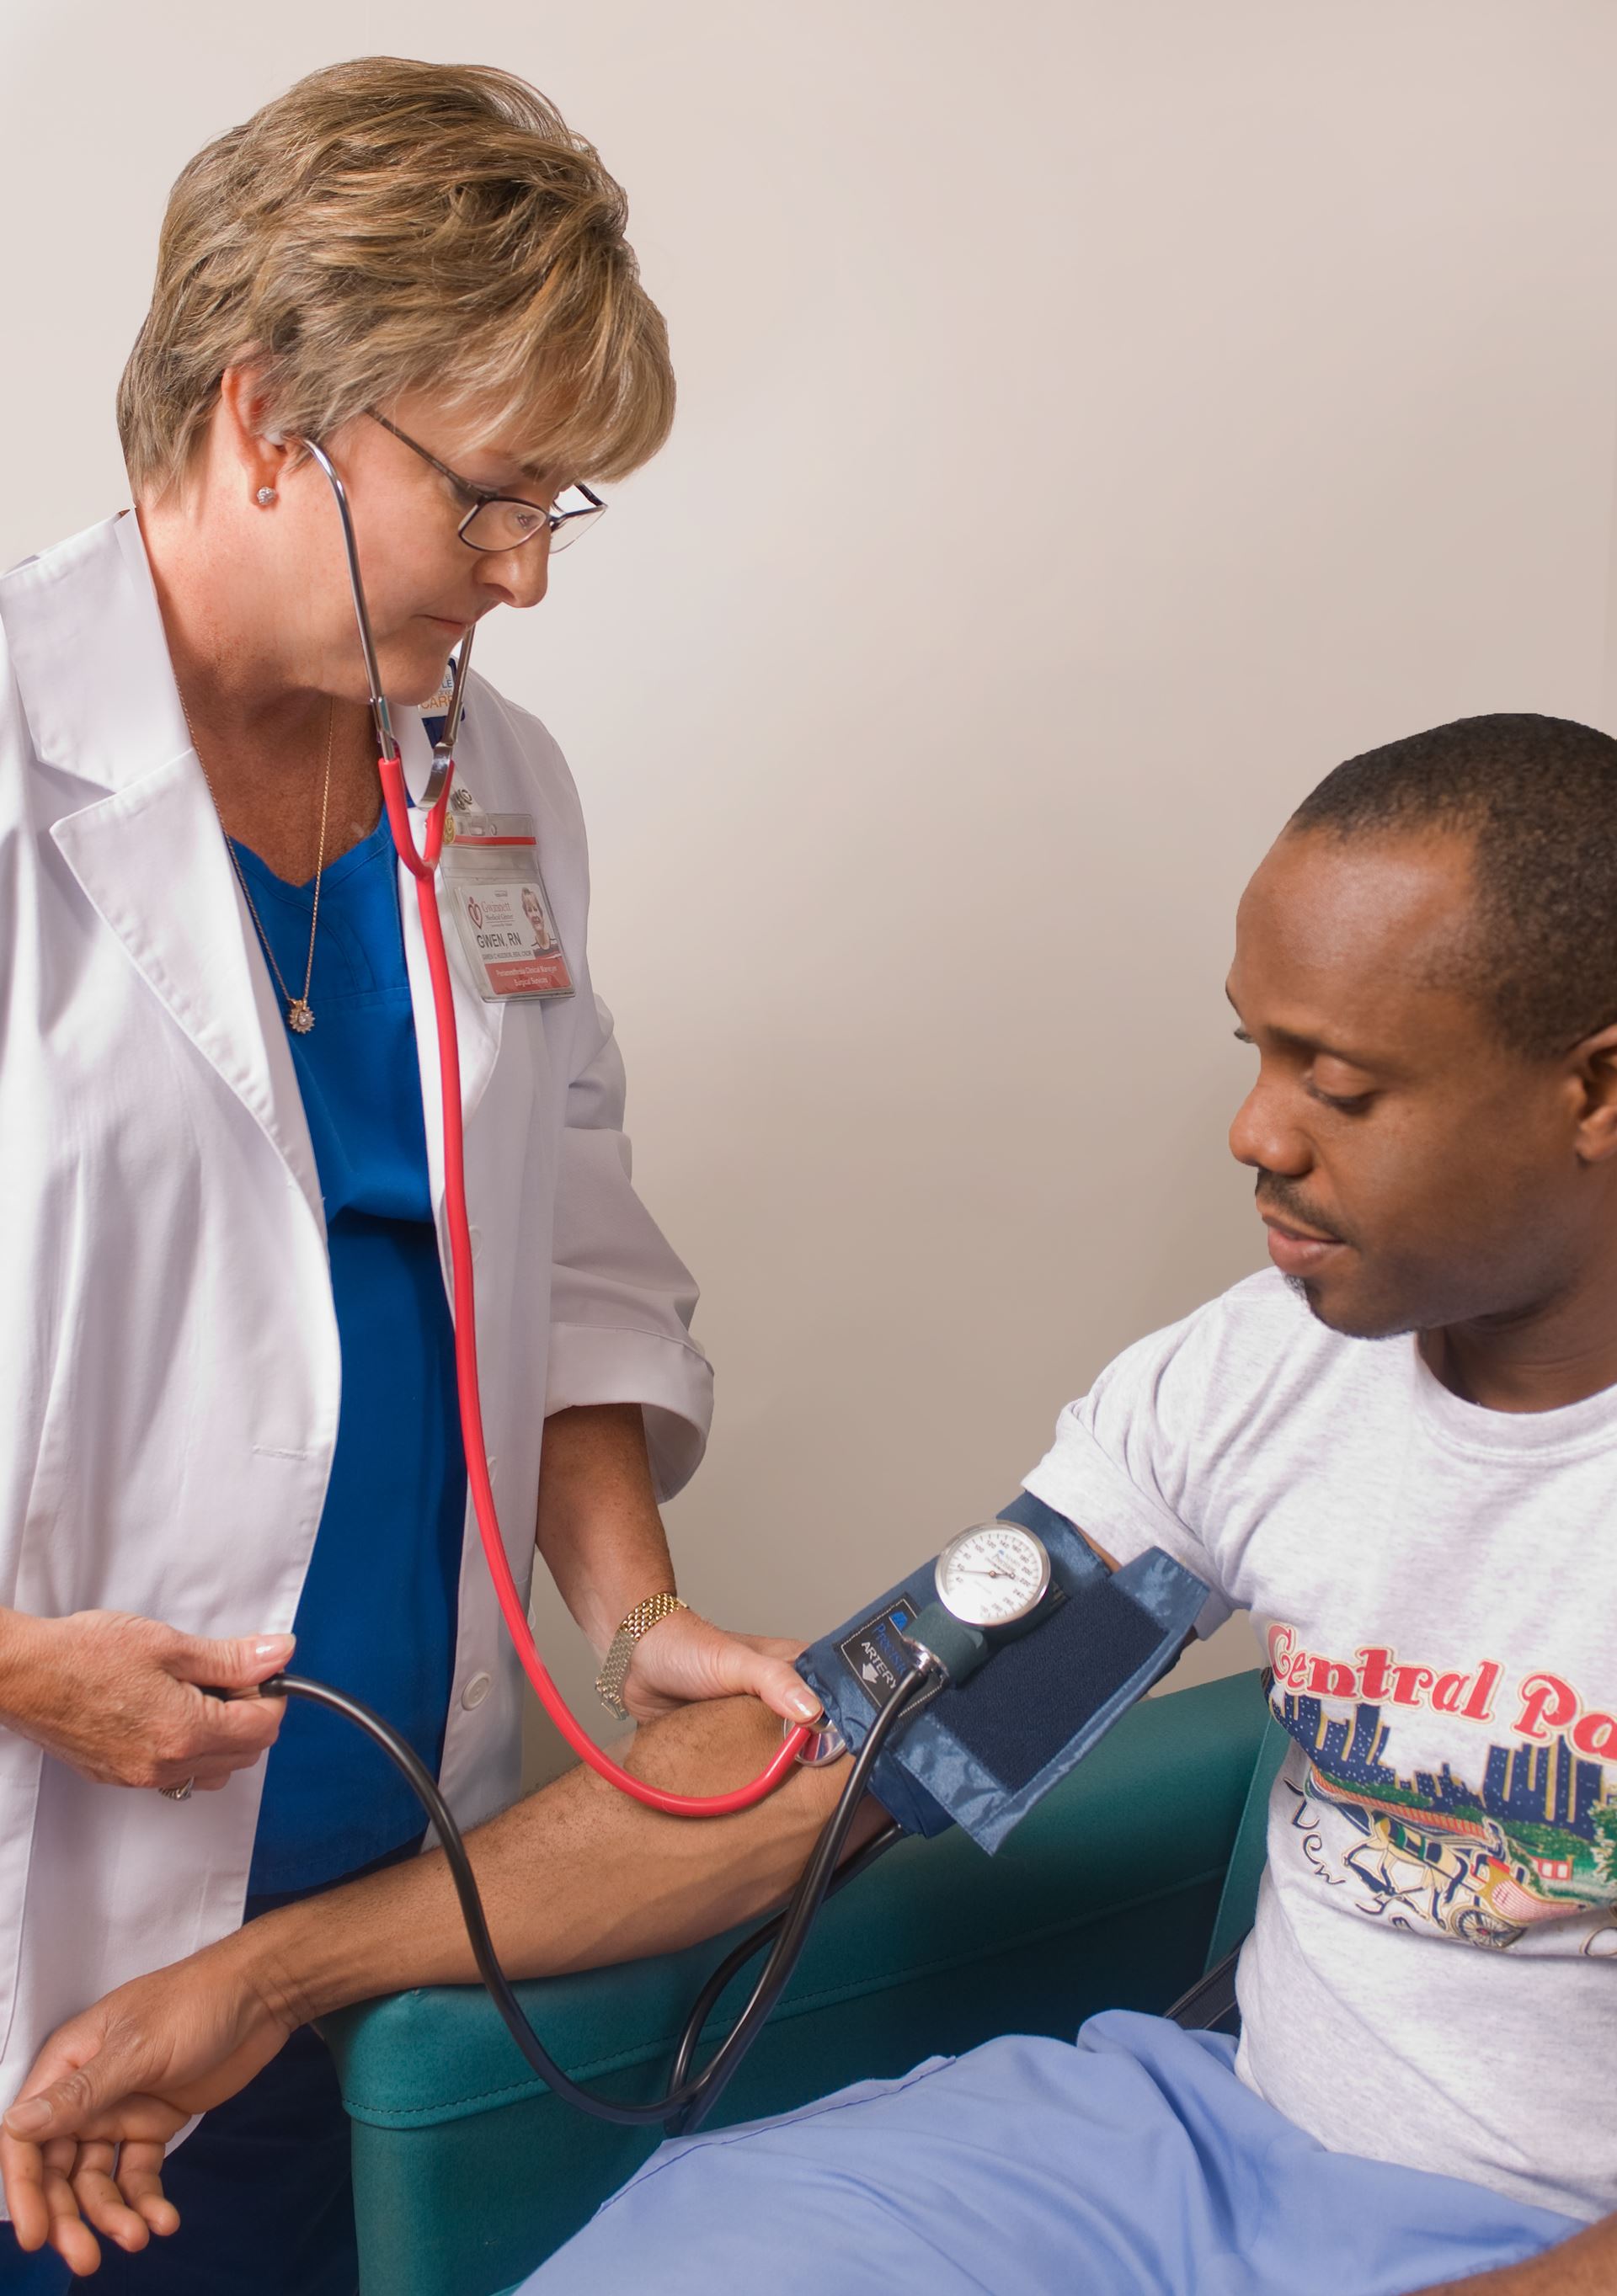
(1400, 1453)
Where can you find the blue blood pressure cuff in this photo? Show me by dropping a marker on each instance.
(979, 1753)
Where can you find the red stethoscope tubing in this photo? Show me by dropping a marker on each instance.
(422, 867)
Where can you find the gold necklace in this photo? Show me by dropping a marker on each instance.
(300, 1012)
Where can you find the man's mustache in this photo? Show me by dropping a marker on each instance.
(1282, 1201)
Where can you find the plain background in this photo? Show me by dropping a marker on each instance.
(1096, 421)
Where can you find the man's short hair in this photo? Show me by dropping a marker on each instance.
(1538, 798)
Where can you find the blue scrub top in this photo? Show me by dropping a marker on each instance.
(379, 1607)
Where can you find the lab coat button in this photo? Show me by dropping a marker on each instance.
(475, 1692)
(477, 1242)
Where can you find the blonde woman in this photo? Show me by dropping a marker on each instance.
(229, 1396)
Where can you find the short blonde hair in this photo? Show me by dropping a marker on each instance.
(387, 225)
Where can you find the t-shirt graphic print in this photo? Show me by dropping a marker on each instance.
(1430, 1978)
(1526, 1832)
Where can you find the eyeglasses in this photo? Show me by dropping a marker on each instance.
(505, 521)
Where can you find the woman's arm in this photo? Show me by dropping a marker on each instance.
(601, 1536)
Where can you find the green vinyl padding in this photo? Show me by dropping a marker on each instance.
(1249, 1854)
(468, 2173)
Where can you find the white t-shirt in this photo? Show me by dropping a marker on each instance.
(1433, 1979)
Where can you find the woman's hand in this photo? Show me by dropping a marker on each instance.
(81, 2151)
(684, 1657)
(120, 1699)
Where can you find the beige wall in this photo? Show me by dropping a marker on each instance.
(1097, 420)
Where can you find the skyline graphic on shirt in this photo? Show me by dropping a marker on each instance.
(1537, 1842)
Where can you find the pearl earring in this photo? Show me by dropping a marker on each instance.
(266, 495)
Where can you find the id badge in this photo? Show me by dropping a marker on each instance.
(502, 911)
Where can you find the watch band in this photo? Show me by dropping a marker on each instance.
(620, 1650)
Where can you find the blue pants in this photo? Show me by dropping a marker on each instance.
(1132, 2164)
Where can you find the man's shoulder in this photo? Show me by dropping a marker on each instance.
(1254, 1351)
(1262, 1300)
(1259, 1321)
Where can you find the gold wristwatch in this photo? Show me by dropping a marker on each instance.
(614, 1666)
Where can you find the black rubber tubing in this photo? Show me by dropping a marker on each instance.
(691, 2098)
(733, 1964)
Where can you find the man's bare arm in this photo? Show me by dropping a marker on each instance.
(1584, 2266)
(573, 1877)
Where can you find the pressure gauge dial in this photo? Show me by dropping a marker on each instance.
(993, 1574)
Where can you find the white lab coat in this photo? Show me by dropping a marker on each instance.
(169, 1367)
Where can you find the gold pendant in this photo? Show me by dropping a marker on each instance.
(299, 1016)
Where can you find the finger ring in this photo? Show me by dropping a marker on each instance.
(178, 1793)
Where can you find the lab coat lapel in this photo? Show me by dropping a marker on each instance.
(151, 862)
(92, 664)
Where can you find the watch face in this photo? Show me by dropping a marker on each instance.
(993, 1575)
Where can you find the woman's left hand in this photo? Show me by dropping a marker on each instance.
(683, 1658)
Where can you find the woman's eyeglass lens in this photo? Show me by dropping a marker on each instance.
(504, 521)
(505, 524)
